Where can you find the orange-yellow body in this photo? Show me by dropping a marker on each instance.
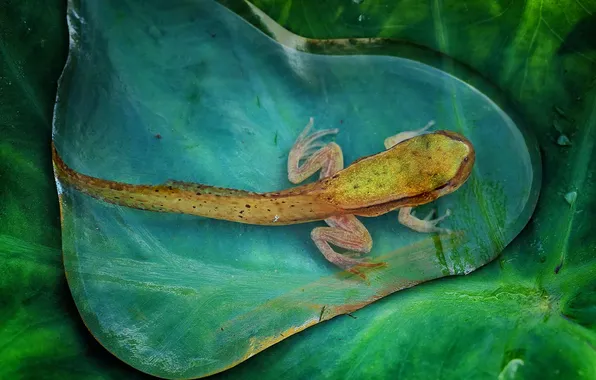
(413, 172)
(415, 169)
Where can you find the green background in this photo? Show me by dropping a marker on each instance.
(537, 302)
(178, 296)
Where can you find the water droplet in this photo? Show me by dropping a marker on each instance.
(563, 141)
(570, 197)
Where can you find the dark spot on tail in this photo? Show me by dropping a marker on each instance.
(247, 206)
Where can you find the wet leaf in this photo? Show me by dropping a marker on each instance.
(234, 289)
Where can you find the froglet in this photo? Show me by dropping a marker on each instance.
(416, 168)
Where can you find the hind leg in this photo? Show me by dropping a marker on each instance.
(316, 155)
(306, 158)
(345, 232)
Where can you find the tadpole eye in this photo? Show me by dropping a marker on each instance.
(466, 159)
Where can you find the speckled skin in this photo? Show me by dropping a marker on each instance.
(415, 169)
(413, 172)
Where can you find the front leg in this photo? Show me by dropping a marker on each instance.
(344, 231)
(407, 218)
(391, 141)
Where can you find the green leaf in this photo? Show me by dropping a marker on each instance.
(529, 314)
(41, 334)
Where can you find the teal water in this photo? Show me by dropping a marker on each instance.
(190, 91)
